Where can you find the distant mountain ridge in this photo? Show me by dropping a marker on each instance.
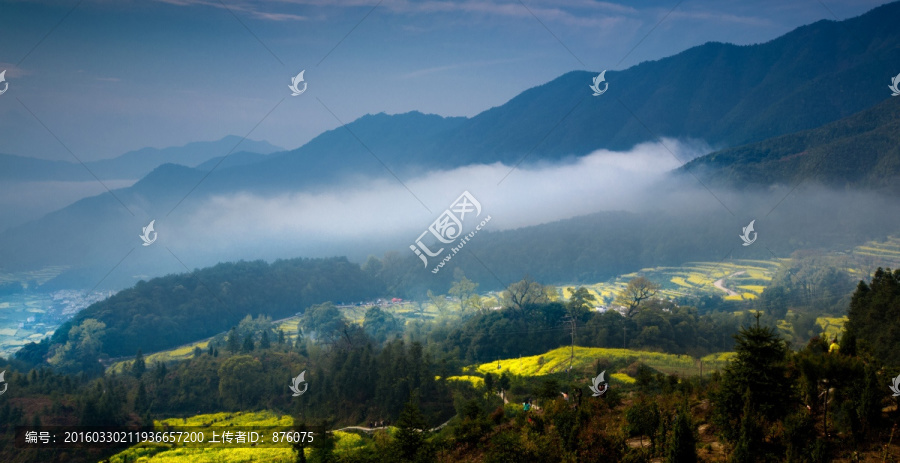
(724, 94)
(131, 165)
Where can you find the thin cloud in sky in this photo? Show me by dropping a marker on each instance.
(254, 9)
(455, 66)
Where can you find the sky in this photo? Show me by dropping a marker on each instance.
(92, 79)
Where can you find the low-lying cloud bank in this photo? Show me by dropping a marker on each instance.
(387, 211)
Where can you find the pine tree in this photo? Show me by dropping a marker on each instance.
(683, 444)
(757, 376)
(248, 344)
(234, 343)
(868, 406)
(264, 342)
(160, 373)
(410, 438)
(141, 402)
(750, 439)
(139, 366)
(323, 452)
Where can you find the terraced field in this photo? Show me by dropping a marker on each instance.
(746, 278)
(878, 253)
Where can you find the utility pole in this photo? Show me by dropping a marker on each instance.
(571, 320)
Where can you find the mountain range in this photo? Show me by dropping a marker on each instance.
(723, 94)
(131, 165)
(805, 100)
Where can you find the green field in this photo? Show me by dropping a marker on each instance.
(557, 361)
(169, 453)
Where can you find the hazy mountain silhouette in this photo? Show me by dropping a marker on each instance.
(723, 94)
(131, 165)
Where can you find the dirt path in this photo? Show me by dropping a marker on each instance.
(720, 283)
(365, 429)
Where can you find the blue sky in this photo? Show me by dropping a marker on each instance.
(102, 77)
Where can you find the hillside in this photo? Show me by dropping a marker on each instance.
(859, 151)
(172, 310)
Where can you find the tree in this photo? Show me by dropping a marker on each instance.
(141, 402)
(159, 374)
(683, 443)
(504, 382)
(464, 290)
(524, 293)
(489, 383)
(234, 343)
(324, 322)
(240, 381)
(83, 347)
(439, 302)
(642, 418)
(380, 325)
(264, 342)
(874, 318)
(410, 436)
(248, 345)
(750, 437)
(757, 377)
(580, 302)
(138, 367)
(636, 291)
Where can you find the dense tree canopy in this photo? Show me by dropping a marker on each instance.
(874, 318)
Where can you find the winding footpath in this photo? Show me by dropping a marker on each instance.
(720, 283)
